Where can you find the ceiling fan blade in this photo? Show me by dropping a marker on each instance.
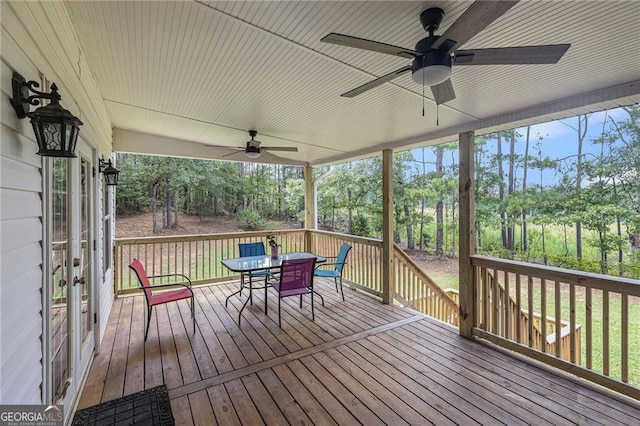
(224, 146)
(233, 153)
(543, 54)
(279, 148)
(443, 92)
(473, 20)
(267, 154)
(374, 46)
(377, 82)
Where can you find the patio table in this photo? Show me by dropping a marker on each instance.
(245, 265)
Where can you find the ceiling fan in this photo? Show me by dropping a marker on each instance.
(434, 55)
(254, 150)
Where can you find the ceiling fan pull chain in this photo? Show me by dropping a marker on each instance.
(437, 115)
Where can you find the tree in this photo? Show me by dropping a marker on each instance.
(581, 133)
(525, 161)
(402, 196)
(439, 174)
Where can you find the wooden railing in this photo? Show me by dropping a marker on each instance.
(413, 287)
(513, 322)
(364, 262)
(416, 289)
(598, 351)
(199, 256)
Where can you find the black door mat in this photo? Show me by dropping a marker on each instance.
(149, 407)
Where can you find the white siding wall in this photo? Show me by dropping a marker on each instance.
(20, 258)
(37, 39)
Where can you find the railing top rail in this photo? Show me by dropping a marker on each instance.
(351, 238)
(587, 279)
(199, 237)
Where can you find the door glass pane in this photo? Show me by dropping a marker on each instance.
(85, 255)
(59, 290)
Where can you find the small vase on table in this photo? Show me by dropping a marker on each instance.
(271, 240)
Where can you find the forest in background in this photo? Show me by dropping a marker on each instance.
(579, 211)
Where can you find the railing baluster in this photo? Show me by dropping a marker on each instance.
(589, 326)
(572, 322)
(518, 308)
(485, 308)
(530, 309)
(625, 337)
(175, 258)
(558, 323)
(505, 307)
(605, 332)
(543, 313)
(161, 260)
(496, 299)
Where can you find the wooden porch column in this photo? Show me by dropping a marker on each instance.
(467, 232)
(309, 207)
(388, 281)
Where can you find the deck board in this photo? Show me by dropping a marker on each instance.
(314, 409)
(359, 362)
(418, 377)
(114, 381)
(225, 413)
(200, 403)
(543, 385)
(245, 408)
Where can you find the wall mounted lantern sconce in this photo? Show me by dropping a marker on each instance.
(56, 129)
(110, 173)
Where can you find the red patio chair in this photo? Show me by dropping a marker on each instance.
(158, 298)
(296, 279)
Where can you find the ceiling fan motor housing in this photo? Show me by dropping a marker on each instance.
(433, 66)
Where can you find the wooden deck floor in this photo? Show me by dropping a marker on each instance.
(359, 362)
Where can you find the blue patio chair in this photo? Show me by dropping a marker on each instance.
(296, 279)
(338, 267)
(246, 250)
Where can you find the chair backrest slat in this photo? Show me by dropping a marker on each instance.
(143, 279)
(251, 249)
(297, 273)
(342, 257)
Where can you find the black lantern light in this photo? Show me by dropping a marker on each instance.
(56, 129)
(110, 173)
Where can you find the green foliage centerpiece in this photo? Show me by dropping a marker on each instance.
(271, 240)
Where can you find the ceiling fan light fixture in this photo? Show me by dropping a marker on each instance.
(253, 154)
(432, 75)
(432, 68)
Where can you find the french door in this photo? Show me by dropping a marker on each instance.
(70, 228)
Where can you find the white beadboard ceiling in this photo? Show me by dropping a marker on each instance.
(203, 73)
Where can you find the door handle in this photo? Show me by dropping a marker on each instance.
(80, 281)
